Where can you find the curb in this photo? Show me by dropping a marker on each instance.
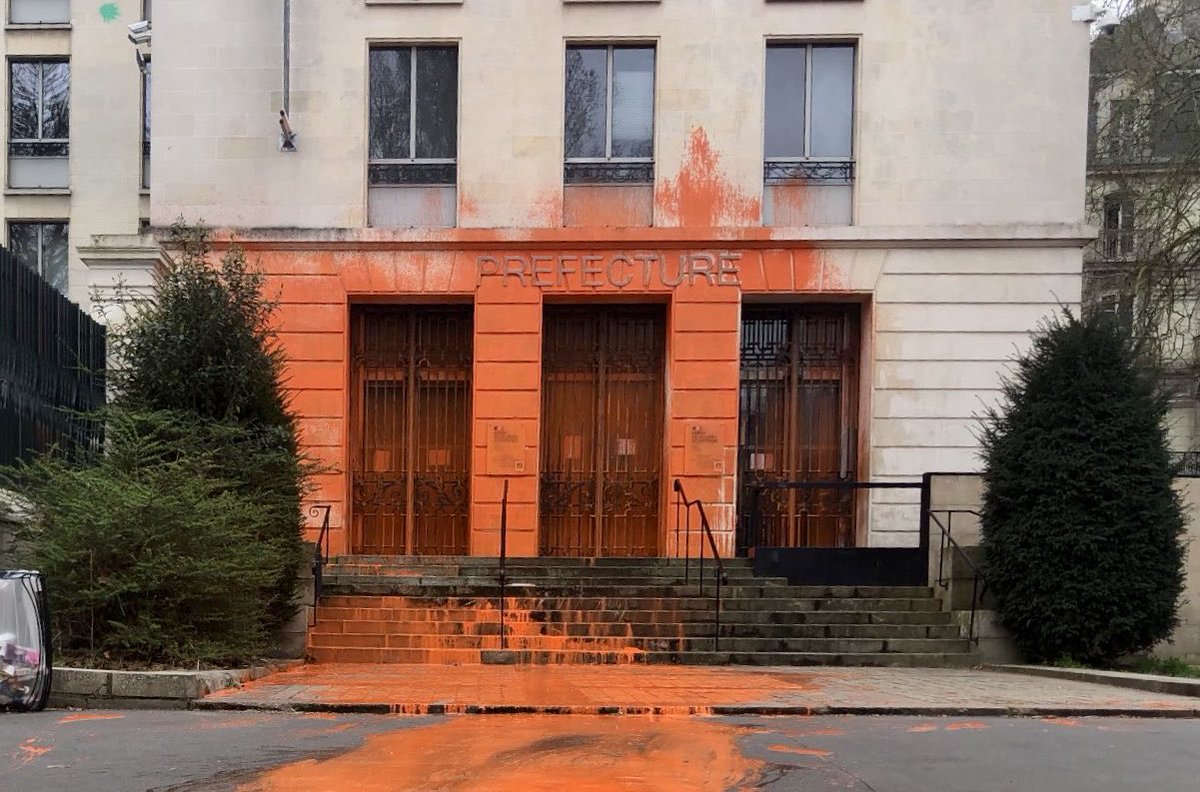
(93, 688)
(790, 710)
(1174, 686)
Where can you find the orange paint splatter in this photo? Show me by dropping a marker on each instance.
(701, 195)
(802, 751)
(967, 725)
(1063, 721)
(922, 728)
(28, 752)
(528, 754)
(90, 716)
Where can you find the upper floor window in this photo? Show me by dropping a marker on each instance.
(809, 132)
(1118, 235)
(609, 134)
(1122, 115)
(39, 123)
(42, 247)
(39, 12)
(414, 115)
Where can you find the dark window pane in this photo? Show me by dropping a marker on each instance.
(54, 254)
(23, 244)
(633, 102)
(146, 105)
(437, 102)
(56, 100)
(23, 101)
(785, 101)
(832, 101)
(391, 86)
(587, 96)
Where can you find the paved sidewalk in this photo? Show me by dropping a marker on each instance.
(591, 690)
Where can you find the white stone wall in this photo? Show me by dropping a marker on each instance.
(967, 112)
(105, 194)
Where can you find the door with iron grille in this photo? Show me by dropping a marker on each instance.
(411, 429)
(798, 414)
(602, 426)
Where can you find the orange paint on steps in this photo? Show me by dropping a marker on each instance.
(701, 195)
(802, 751)
(531, 753)
(922, 728)
(1070, 722)
(90, 716)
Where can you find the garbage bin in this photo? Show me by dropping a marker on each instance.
(25, 662)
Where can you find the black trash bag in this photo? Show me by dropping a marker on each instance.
(25, 661)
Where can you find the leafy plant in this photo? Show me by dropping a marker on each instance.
(1081, 526)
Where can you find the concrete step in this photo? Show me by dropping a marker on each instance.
(591, 577)
(620, 643)
(705, 630)
(633, 656)
(540, 562)
(425, 614)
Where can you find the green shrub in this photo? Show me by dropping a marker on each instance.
(1081, 527)
(152, 552)
(206, 346)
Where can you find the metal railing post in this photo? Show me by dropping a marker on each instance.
(503, 567)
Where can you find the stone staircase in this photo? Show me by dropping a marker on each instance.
(377, 609)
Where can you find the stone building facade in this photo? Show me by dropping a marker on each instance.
(590, 248)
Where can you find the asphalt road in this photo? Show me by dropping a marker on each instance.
(264, 752)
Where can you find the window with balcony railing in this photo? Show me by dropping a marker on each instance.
(39, 99)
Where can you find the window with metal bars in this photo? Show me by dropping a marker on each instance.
(609, 118)
(413, 115)
(43, 248)
(810, 113)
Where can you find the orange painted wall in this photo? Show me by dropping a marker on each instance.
(316, 287)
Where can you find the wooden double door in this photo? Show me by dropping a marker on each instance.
(798, 414)
(602, 430)
(411, 429)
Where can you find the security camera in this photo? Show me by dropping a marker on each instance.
(139, 32)
(1109, 22)
(287, 136)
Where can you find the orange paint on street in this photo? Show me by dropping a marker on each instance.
(802, 751)
(1063, 721)
(28, 752)
(90, 716)
(922, 728)
(967, 725)
(527, 754)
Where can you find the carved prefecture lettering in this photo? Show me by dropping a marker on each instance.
(617, 270)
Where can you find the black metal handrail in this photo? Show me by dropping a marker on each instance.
(682, 503)
(503, 558)
(320, 554)
(978, 581)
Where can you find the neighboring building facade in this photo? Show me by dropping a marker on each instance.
(589, 248)
(1143, 195)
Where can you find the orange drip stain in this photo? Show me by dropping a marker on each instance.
(701, 195)
(90, 716)
(531, 753)
(802, 751)
(922, 728)
(28, 752)
(967, 726)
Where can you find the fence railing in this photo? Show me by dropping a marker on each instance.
(320, 554)
(684, 507)
(52, 360)
(978, 582)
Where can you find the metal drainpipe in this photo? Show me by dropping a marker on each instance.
(287, 56)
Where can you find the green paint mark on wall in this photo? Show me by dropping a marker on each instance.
(110, 12)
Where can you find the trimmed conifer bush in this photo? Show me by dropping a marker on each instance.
(1082, 530)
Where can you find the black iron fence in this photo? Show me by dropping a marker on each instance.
(52, 358)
